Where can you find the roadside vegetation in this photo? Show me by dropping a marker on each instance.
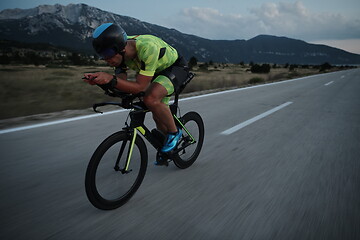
(34, 89)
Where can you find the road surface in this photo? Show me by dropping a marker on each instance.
(279, 161)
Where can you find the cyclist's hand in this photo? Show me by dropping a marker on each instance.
(98, 78)
(89, 78)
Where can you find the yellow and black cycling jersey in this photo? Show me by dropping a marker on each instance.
(153, 55)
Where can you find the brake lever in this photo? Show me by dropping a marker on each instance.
(98, 111)
(85, 78)
(95, 106)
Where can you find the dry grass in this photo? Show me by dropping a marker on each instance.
(237, 76)
(27, 90)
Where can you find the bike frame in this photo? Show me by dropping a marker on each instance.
(136, 125)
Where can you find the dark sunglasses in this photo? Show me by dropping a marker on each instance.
(107, 53)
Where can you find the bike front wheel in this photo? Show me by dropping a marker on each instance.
(110, 179)
(191, 141)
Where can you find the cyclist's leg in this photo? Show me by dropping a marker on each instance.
(159, 125)
(156, 99)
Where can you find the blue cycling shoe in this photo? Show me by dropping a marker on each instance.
(161, 159)
(161, 162)
(171, 141)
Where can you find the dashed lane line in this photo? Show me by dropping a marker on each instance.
(254, 119)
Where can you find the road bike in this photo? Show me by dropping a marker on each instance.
(118, 166)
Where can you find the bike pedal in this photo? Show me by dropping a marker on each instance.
(162, 159)
(162, 163)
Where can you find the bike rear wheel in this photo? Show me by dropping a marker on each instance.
(108, 185)
(192, 140)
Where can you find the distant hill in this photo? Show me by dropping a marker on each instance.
(71, 26)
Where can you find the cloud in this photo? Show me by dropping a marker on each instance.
(282, 19)
(211, 23)
(294, 19)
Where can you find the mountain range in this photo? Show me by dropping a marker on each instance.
(72, 25)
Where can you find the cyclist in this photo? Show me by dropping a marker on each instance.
(159, 69)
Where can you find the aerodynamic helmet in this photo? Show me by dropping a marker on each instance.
(108, 40)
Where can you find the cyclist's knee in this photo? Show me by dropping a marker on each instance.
(151, 101)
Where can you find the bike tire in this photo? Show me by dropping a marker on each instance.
(195, 125)
(107, 188)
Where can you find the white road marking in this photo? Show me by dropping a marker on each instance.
(327, 84)
(57, 122)
(254, 119)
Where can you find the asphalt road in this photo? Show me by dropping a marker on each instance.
(279, 161)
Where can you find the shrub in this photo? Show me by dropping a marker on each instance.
(265, 68)
(192, 62)
(325, 66)
(204, 67)
(256, 80)
(292, 67)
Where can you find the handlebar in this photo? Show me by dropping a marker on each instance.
(96, 105)
(127, 102)
(127, 99)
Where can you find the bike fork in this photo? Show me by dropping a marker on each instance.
(129, 154)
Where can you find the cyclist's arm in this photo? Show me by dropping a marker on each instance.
(122, 75)
(140, 85)
(101, 78)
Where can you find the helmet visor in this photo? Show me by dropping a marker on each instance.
(107, 53)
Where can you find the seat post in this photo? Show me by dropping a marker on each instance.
(176, 100)
(174, 106)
